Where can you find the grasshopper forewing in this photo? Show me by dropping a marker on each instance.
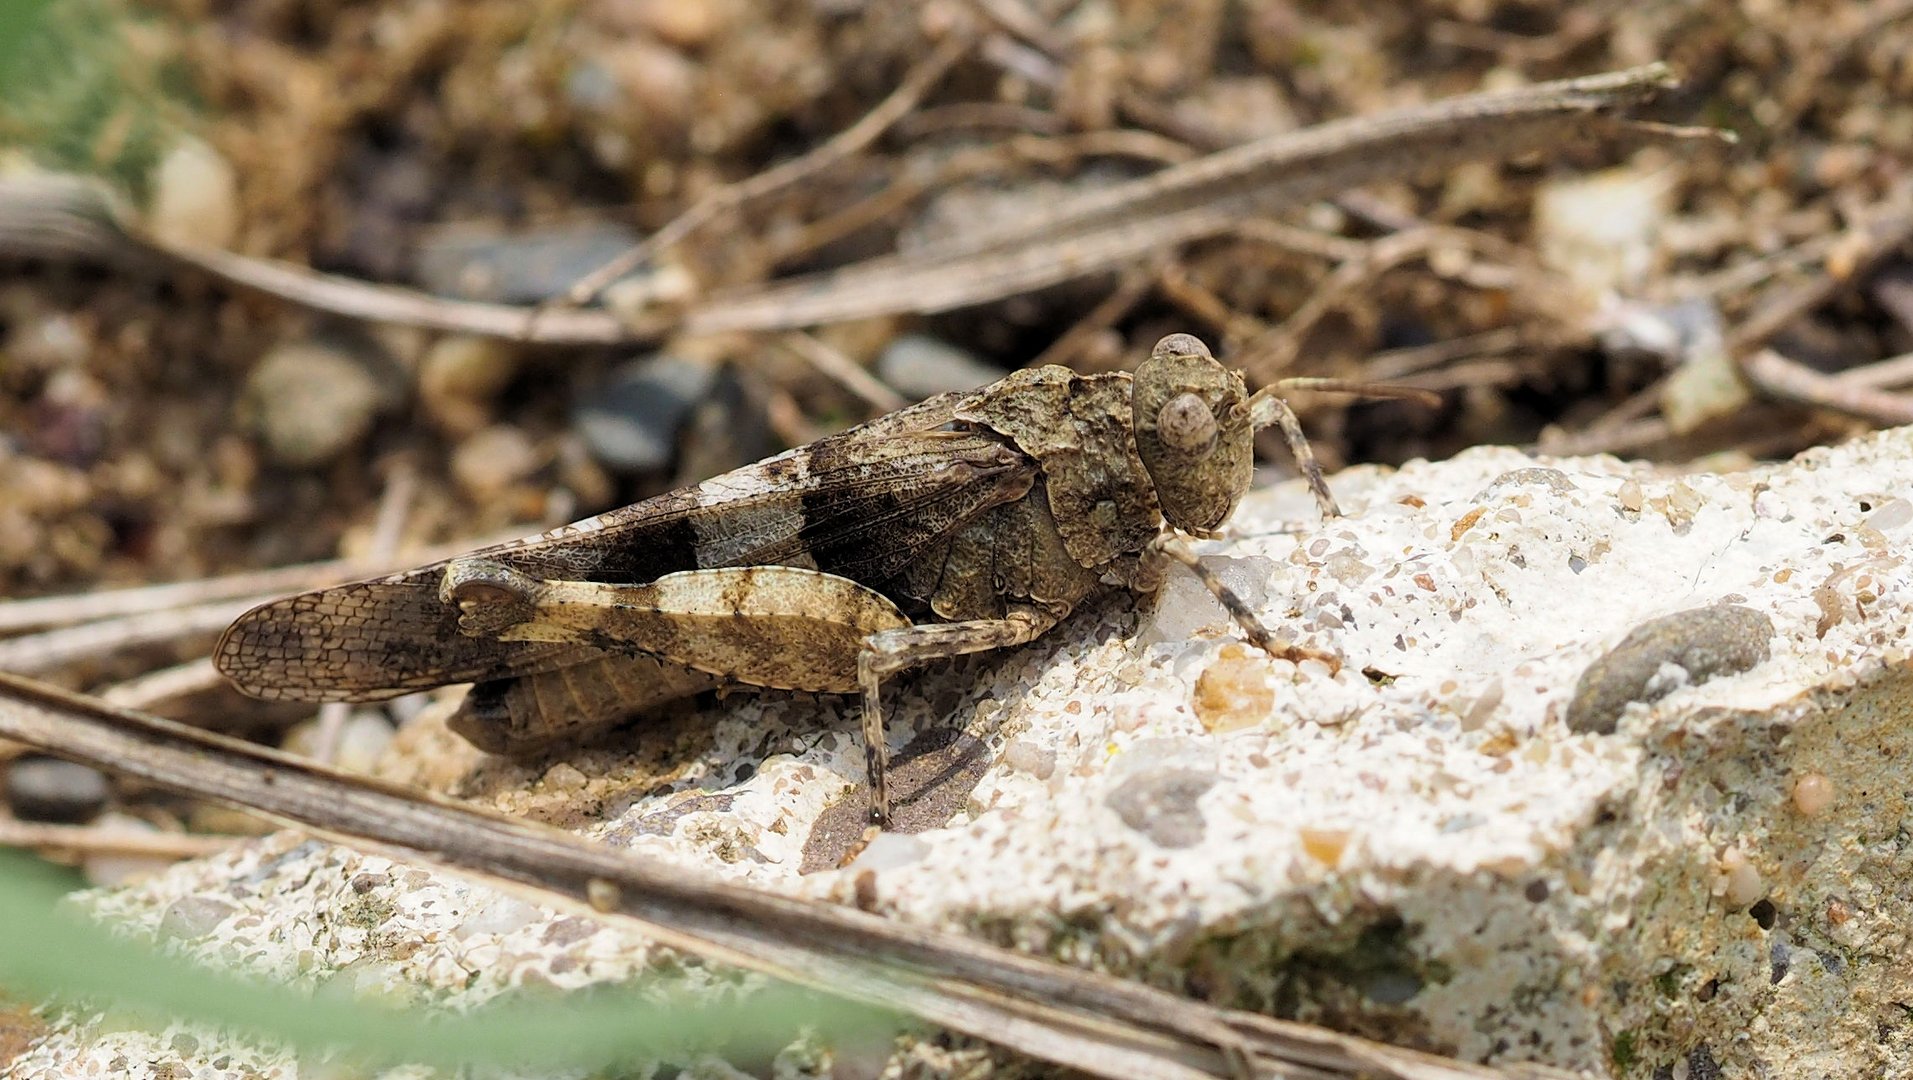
(966, 523)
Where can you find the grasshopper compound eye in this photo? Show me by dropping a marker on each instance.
(1192, 433)
(1186, 425)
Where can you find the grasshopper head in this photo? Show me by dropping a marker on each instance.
(1193, 433)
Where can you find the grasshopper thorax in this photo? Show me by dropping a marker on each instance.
(1193, 433)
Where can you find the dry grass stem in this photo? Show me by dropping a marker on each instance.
(1780, 377)
(842, 370)
(155, 688)
(73, 840)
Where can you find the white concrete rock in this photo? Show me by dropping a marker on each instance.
(1415, 847)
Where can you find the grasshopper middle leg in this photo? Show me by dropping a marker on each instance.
(889, 651)
(1170, 546)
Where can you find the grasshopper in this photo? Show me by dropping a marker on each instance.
(969, 522)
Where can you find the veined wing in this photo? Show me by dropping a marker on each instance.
(861, 504)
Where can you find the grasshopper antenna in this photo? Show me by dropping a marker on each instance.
(1266, 408)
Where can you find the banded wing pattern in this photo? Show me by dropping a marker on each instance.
(813, 507)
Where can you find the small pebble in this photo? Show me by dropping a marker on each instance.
(589, 86)
(685, 23)
(1184, 605)
(195, 197)
(490, 462)
(641, 296)
(460, 377)
(1324, 845)
(890, 851)
(1391, 987)
(1780, 960)
(1707, 385)
(48, 341)
(920, 367)
(1233, 692)
(516, 268)
(312, 401)
(565, 777)
(51, 790)
(630, 420)
(193, 917)
(1162, 805)
(1891, 515)
(500, 916)
(1599, 230)
(1027, 757)
(1741, 883)
(1532, 476)
(728, 429)
(1812, 794)
(654, 88)
(1482, 708)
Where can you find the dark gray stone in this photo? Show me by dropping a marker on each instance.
(1161, 805)
(48, 789)
(920, 367)
(1724, 639)
(631, 419)
(516, 268)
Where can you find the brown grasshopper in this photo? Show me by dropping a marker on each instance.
(966, 523)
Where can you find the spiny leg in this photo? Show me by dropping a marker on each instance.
(890, 651)
(1265, 408)
(1168, 544)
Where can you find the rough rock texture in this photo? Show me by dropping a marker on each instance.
(1416, 847)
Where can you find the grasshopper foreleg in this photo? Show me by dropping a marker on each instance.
(1169, 545)
(890, 651)
(1265, 408)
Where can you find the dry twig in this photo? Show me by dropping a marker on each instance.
(50, 650)
(1069, 346)
(842, 370)
(64, 218)
(155, 688)
(105, 840)
(1200, 198)
(97, 624)
(1274, 352)
(1780, 377)
(837, 148)
(1871, 244)
(66, 610)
